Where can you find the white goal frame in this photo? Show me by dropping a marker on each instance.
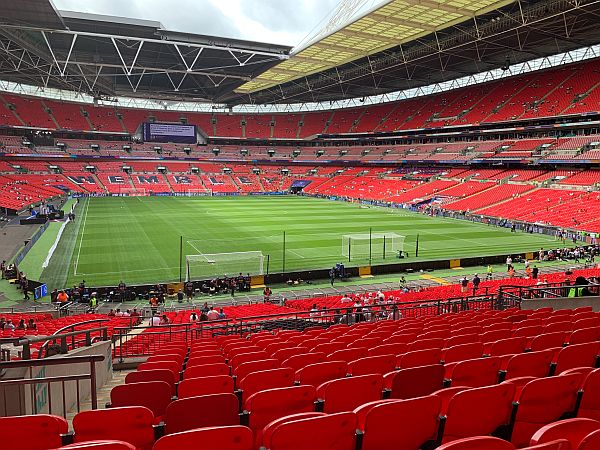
(385, 244)
(132, 192)
(198, 192)
(208, 265)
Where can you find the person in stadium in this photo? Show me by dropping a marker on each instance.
(62, 297)
(153, 301)
(476, 281)
(9, 325)
(394, 314)
(314, 311)
(136, 317)
(534, 272)
(345, 299)
(3, 268)
(2, 323)
(205, 308)
(332, 276)
(212, 314)
(194, 317)
(154, 320)
(189, 290)
(164, 320)
(121, 288)
(25, 287)
(509, 262)
(463, 284)
(222, 315)
(111, 313)
(31, 325)
(490, 272)
(267, 294)
(21, 325)
(180, 296)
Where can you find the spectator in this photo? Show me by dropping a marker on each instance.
(180, 296)
(490, 272)
(267, 294)
(212, 314)
(476, 281)
(62, 297)
(2, 323)
(9, 326)
(155, 320)
(394, 313)
(203, 316)
(111, 313)
(193, 317)
(463, 284)
(31, 324)
(164, 320)
(314, 311)
(3, 268)
(21, 325)
(205, 308)
(222, 315)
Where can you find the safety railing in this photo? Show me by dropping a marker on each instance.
(144, 340)
(548, 291)
(41, 387)
(68, 338)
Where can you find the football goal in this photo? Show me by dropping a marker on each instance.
(207, 265)
(378, 246)
(132, 192)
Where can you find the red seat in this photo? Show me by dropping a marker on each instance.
(267, 431)
(388, 349)
(462, 351)
(254, 366)
(461, 339)
(399, 424)
(35, 432)
(218, 384)
(372, 364)
(345, 394)
(478, 443)
(178, 358)
(419, 358)
(285, 353)
(203, 411)
(590, 442)
(154, 395)
(509, 346)
(583, 335)
(543, 401)
(590, 399)
(532, 364)
(415, 381)
(202, 360)
(425, 344)
(577, 355)
(247, 357)
(479, 411)
(266, 406)
(217, 438)
(328, 347)
(573, 430)
(165, 375)
(317, 374)
(329, 432)
(475, 372)
(297, 362)
(132, 424)
(206, 370)
(548, 340)
(265, 379)
(100, 445)
(348, 354)
(173, 366)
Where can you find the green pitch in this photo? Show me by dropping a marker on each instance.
(137, 239)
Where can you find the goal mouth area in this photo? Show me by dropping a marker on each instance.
(379, 245)
(208, 265)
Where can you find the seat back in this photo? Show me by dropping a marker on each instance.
(379, 422)
(476, 372)
(345, 394)
(590, 442)
(532, 364)
(331, 432)
(479, 411)
(100, 445)
(217, 438)
(577, 355)
(254, 366)
(173, 366)
(140, 376)
(317, 374)
(217, 384)
(418, 358)
(132, 424)
(573, 430)
(424, 344)
(372, 364)
(266, 379)
(348, 354)
(154, 395)
(548, 340)
(415, 381)
(206, 370)
(203, 411)
(202, 360)
(462, 351)
(478, 443)
(590, 399)
(297, 362)
(35, 432)
(508, 346)
(543, 401)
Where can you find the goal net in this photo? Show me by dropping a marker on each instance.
(380, 245)
(198, 192)
(207, 265)
(132, 192)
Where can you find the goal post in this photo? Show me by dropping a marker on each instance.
(132, 192)
(198, 192)
(207, 265)
(380, 245)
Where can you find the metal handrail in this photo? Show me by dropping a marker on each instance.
(44, 347)
(30, 364)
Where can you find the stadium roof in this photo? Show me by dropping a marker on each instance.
(405, 44)
(398, 45)
(393, 23)
(113, 56)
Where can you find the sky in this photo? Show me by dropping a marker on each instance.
(284, 22)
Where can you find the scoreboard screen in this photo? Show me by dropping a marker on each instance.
(169, 132)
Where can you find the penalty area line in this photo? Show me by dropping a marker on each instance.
(87, 207)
